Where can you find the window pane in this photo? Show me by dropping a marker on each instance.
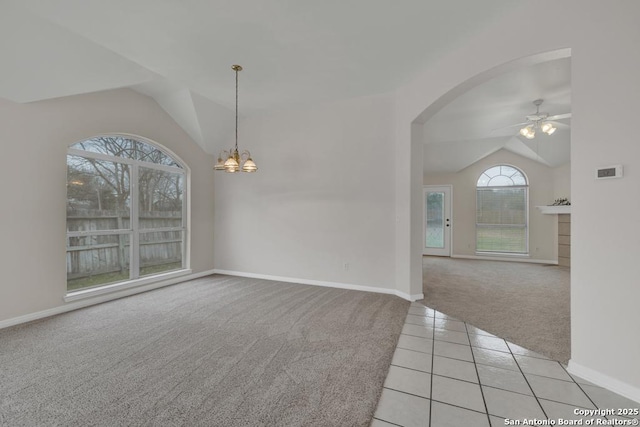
(508, 170)
(500, 181)
(151, 154)
(501, 206)
(121, 146)
(483, 181)
(435, 220)
(97, 260)
(519, 179)
(160, 198)
(160, 251)
(98, 194)
(501, 239)
(117, 146)
(494, 171)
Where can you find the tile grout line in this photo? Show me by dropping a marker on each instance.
(475, 366)
(527, 381)
(406, 392)
(433, 356)
(581, 389)
(388, 422)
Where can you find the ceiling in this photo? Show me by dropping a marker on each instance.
(294, 52)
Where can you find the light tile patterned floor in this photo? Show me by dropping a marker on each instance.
(448, 373)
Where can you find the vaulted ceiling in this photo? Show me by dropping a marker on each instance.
(295, 52)
(478, 123)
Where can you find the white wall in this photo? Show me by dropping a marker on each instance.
(34, 141)
(603, 38)
(542, 228)
(605, 214)
(322, 197)
(562, 182)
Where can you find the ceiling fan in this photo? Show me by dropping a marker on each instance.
(540, 121)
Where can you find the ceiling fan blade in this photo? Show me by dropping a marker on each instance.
(560, 116)
(560, 125)
(510, 126)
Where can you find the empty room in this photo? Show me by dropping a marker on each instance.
(296, 213)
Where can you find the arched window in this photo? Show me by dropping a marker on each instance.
(126, 211)
(502, 211)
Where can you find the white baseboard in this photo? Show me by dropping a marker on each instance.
(70, 306)
(322, 283)
(97, 299)
(414, 297)
(602, 380)
(506, 258)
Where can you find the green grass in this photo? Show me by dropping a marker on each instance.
(505, 239)
(115, 277)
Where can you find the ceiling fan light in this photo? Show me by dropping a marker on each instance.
(528, 132)
(548, 128)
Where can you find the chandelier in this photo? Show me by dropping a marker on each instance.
(235, 161)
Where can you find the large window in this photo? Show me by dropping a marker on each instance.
(126, 210)
(502, 211)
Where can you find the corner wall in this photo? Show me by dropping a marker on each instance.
(34, 139)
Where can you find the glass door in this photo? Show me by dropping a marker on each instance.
(437, 220)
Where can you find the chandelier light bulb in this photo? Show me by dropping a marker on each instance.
(220, 165)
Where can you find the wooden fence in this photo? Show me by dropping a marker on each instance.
(98, 254)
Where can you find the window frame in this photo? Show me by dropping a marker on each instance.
(526, 186)
(134, 231)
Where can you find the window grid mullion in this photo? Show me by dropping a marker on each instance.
(134, 255)
(110, 158)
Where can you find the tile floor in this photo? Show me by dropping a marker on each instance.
(448, 373)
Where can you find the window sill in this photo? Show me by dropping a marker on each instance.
(116, 287)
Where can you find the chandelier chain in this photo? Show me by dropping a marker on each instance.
(237, 70)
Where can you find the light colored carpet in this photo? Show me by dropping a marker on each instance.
(217, 351)
(527, 304)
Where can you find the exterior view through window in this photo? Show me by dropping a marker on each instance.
(126, 209)
(502, 211)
